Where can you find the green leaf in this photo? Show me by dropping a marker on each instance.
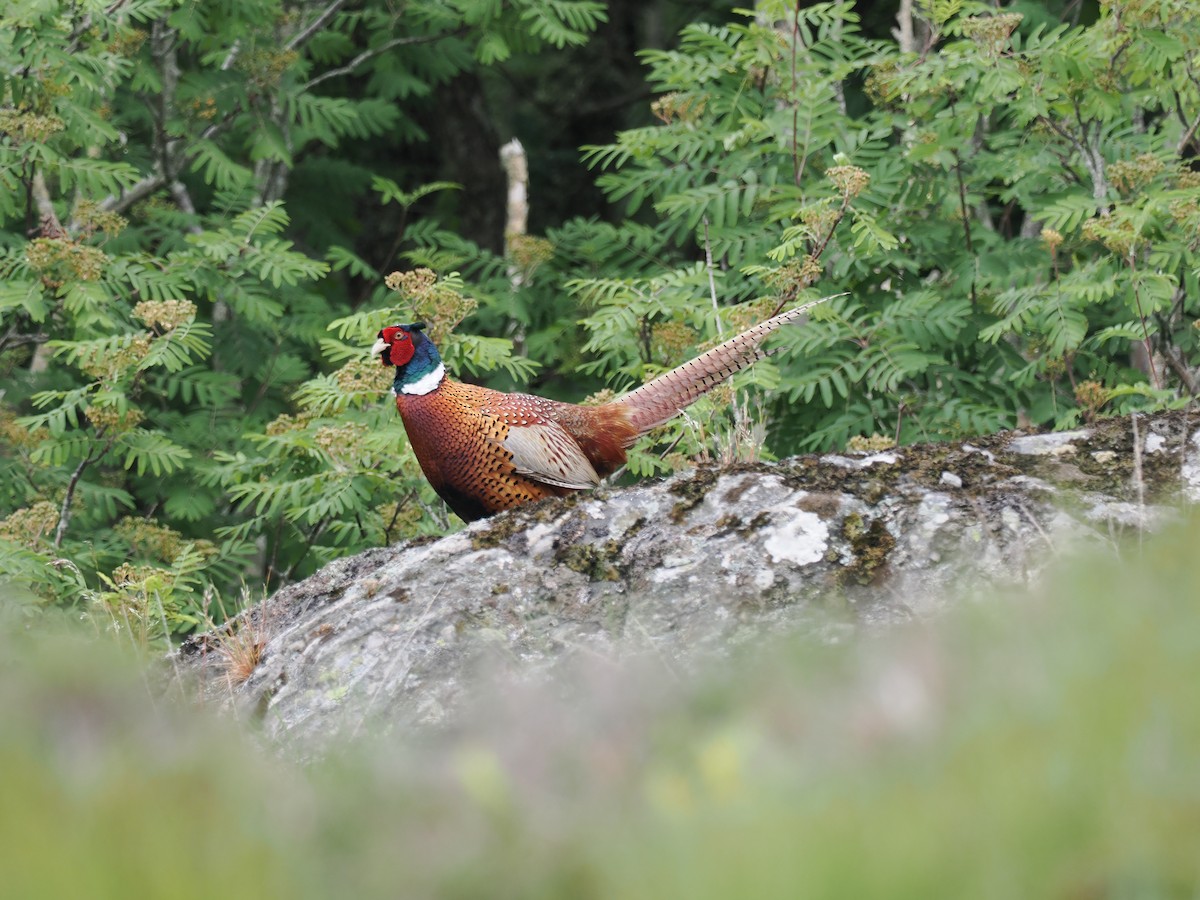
(143, 449)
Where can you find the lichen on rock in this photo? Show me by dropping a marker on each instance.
(687, 567)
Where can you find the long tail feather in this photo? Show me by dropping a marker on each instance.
(664, 397)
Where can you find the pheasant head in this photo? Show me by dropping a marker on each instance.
(419, 368)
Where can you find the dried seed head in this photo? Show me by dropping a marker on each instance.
(30, 526)
(165, 314)
(850, 180)
(1127, 175)
(991, 33)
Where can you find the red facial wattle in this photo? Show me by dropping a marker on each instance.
(400, 345)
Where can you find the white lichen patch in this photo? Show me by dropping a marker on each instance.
(541, 537)
(674, 567)
(801, 540)
(1190, 471)
(1155, 443)
(988, 454)
(887, 458)
(1058, 444)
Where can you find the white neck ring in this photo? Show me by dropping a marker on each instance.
(426, 383)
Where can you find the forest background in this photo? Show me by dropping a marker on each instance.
(200, 204)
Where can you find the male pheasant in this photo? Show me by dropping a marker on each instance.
(484, 451)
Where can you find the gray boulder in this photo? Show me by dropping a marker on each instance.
(686, 569)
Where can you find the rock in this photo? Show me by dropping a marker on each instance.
(688, 569)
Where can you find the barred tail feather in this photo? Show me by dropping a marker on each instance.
(664, 397)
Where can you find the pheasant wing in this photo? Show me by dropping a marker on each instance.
(546, 452)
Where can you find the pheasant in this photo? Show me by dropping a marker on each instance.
(484, 451)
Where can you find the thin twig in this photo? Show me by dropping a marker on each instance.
(1138, 483)
(712, 283)
(140, 191)
(227, 62)
(1137, 299)
(905, 34)
(310, 540)
(85, 25)
(1175, 361)
(1187, 137)
(64, 515)
(387, 531)
(797, 168)
(966, 220)
(376, 51)
(13, 339)
(183, 200)
(1092, 159)
(316, 25)
(151, 184)
(51, 227)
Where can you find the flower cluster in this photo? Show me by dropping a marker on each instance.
(677, 106)
(127, 42)
(165, 315)
(671, 340)
(747, 315)
(59, 260)
(1127, 175)
(336, 439)
(604, 395)
(1092, 396)
(850, 180)
(110, 420)
(860, 443)
(1118, 236)
(108, 368)
(819, 218)
(883, 84)
(266, 68)
(438, 304)
(284, 424)
(149, 539)
(135, 576)
(204, 108)
(31, 525)
(411, 284)
(1187, 180)
(91, 218)
(29, 128)
(527, 253)
(363, 376)
(793, 277)
(16, 435)
(991, 33)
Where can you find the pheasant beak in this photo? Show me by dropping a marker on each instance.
(380, 346)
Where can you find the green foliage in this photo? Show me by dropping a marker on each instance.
(174, 417)
(1006, 211)
(1009, 212)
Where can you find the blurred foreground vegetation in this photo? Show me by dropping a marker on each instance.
(1045, 745)
(200, 205)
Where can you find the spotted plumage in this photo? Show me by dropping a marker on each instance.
(484, 451)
